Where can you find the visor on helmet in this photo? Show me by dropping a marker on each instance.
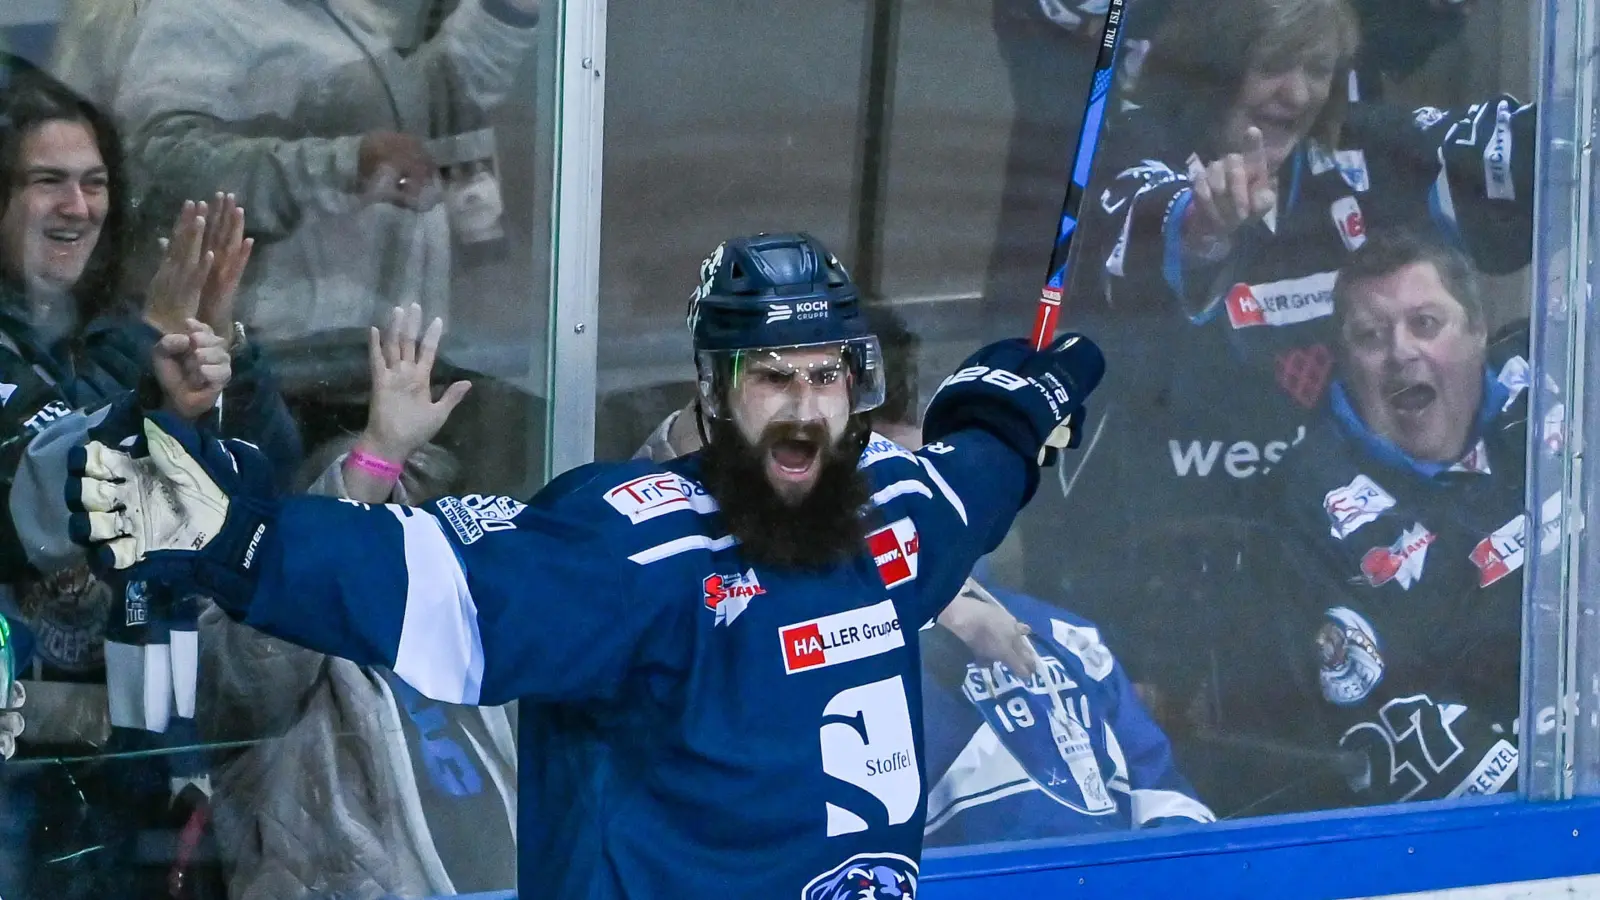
(797, 383)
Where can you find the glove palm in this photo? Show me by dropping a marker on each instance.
(190, 511)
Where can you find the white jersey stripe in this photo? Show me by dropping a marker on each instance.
(185, 667)
(900, 489)
(1149, 804)
(441, 650)
(683, 545)
(139, 685)
(944, 488)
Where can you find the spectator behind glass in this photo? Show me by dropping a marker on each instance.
(1209, 247)
(1398, 37)
(91, 47)
(320, 116)
(69, 341)
(362, 787)
(1407, 506)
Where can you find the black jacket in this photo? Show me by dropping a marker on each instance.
(111, 356)
(1413, 593)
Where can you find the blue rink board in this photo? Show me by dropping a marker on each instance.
(1327, 856)
(1321, 856)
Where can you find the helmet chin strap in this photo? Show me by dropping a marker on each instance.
(859, 432)
(700, 420)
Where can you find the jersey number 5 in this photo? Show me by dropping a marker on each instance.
(869, 752)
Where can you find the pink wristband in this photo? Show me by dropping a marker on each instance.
(379, 468)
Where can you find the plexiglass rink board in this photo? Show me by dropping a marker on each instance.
(1254, 595)
(1298, 524)
(1570, 316)
(383, 153)
(1559, 649)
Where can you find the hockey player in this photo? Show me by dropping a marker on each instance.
(721, 688)
(1407, 504)
(1063, 751)
(1063, 748)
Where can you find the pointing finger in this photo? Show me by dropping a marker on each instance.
(1238, 187)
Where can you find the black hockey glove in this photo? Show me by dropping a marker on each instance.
(156, 500)
(1032, 400)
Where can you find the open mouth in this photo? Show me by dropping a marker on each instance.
(1278, 123)
(795, 458)
(66, 237)
(1278, 129)
(1413, 398)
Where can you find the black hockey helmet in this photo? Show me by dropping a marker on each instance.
(767, 295)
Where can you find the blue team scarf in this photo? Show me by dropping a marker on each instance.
(1495, 397)
(449, 765)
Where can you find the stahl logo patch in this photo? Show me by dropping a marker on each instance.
(841, 638)
(729, 595)
(658, 494)
(1401, 561)
(894, 549)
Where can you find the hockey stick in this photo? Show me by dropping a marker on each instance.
(1044, 321)
(1345, 762)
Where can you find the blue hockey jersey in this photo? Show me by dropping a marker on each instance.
(1013, 759)
(694, 725)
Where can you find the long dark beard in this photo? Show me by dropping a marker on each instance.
(821, 530)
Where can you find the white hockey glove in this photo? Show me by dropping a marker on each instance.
(11, 723)
(187, 510)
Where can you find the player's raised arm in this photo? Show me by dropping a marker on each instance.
(470, 600)
(1004, 414)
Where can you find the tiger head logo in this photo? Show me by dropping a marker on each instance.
(866, 876)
